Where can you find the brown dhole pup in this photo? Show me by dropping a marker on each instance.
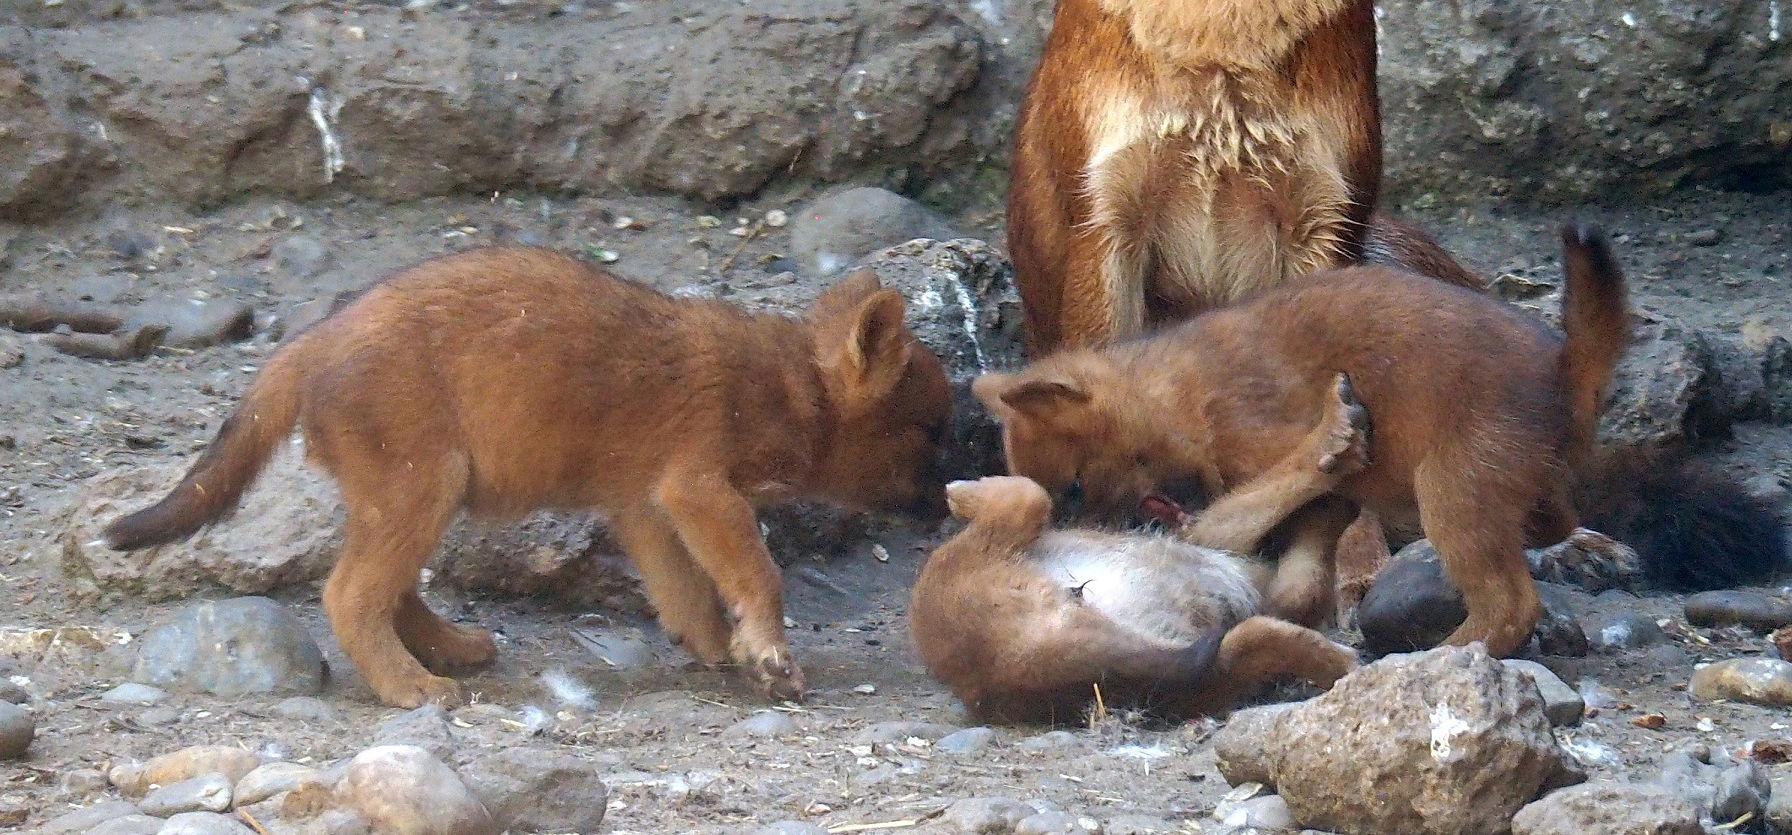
(1025, 624)
(1481, 412)
(1176, 155)
(507, 379)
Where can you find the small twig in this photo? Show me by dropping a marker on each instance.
(867, 827)
(250, 819)
(751, 234)
(1746, 817)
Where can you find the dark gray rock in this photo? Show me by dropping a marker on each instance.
(1753, 609)
(539, 791)
(17, 728)
(1561, 101)
(231, 647)
(1448, 740)
(1720, 788)
(1413, 605)
(43, 153)
(838, 230)
(1609, 807)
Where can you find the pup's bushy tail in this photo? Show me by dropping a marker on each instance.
(1596, 322)
(217, 481)
(1693, 525)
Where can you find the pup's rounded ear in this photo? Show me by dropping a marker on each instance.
(878, 339)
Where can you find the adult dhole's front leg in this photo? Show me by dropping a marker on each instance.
(719, 529)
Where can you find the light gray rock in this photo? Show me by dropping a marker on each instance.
(230, 648)
(1720, 788)
(425, 727)
(132, 693)
(897, 732)
(966, 741)
(836, 231)
(1561, 703)
(1054, 823)
(1762, 681)
(130, 825)
(401, 789)
(1050, 741)
(1624, 630)
(82, 820)
(270, 779)
(306, 709)
(992, 815)
(203, 823)
(1445, 741)
(765, 723)
(205, 793)
(1608, 807)
(790, 828)
(539, 791)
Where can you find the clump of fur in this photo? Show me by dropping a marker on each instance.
(1694, 526)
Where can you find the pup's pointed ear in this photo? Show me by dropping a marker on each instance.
(849, 290)
(877, 343)
(1033, 396)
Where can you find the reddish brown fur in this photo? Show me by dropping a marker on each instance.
(1479, 410)
(508, 379)
(1176, 155)
(1172, 156)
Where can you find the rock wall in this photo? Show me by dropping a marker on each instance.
(197, 102)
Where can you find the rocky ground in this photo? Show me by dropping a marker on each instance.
(680, 749)
(191, 180)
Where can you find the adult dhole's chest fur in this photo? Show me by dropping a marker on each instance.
(1177, 155)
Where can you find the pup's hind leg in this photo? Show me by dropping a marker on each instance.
(1337, 447)
(690, 609)
(1305, 586)
(439, 643)
(1477, 525)
(395, 521)
(1261, 649)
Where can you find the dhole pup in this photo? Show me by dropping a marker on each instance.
(1480, 413)
(1027, 624)
(507, 379)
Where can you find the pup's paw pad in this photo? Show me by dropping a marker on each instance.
(1345, 449)
(778, 676)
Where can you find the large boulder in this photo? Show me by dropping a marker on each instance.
(1445, 741)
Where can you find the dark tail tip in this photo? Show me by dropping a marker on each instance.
(157, 524)
(1588, 241)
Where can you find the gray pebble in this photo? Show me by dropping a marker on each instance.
(306, 709)
(898, 732)
(158, 716)
(83, 782)
(17, 729)
(1053, 823)
(790, 828)
(301, 257)
(765, 723)
(1626, 630)
(1050, 741)
(12, 693)
(132, 693)
(967, 741)
(617, 651)
(205, 793)
(1266, 814)
(987, 814)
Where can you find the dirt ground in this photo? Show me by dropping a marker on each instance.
(63, 419)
